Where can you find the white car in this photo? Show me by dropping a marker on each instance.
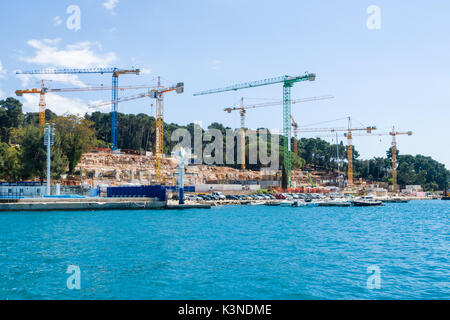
(219, 194)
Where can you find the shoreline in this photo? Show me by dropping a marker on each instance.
(95, 204)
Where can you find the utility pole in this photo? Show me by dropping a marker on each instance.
(49, 141)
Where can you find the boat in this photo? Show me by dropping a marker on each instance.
(335, 203)
(289, 204)
(311, 204)
(367, 201)
(255, 203)
(272, 204)
(396, 200)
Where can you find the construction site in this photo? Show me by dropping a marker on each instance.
(112, 167)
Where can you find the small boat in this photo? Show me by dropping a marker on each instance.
(272, 204)
(395, 201)
(289, 204)
(311, 204)
(335, 204)
(255, 203)
(367, 201)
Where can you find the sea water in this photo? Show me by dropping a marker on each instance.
(398, 251)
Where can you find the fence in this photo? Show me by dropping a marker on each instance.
(158, 192)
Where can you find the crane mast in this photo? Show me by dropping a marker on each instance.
(349, 153)
(295, 126)
(42, 106)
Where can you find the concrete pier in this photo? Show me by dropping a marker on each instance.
(83, 204)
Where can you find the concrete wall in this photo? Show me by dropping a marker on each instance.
(225, 187)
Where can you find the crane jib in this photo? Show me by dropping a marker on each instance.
(259, 83)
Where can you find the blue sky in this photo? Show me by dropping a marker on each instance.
(398, 75)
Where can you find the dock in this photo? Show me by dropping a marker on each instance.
(82, 204)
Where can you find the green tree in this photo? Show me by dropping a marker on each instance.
(77, 136)
(34, 156)
(10, 164)
(11, 116)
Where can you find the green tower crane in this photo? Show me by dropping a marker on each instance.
(288, 83)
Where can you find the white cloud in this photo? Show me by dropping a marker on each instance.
(215, 65)
(57, 21)
(110, 4)
(2, 70)
(77, 55)
(58, 104)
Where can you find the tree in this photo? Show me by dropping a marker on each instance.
(32, 118)
(77, 136)
(34, 156)
(10, 164)
(11, 116)
(284, 178)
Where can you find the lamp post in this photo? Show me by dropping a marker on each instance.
(183, 155)
(49, 141)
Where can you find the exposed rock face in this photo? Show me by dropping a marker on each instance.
(119, 169)
(115, 169)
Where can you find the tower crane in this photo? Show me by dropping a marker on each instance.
(116, 72)
(44, 90)
(157, 94)
(288, 82)
(295, 126)
(349, 135)
(243, 111)
(394, 149)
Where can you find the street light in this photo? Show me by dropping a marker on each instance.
(49, 141)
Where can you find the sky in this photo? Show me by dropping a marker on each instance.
(394, 75)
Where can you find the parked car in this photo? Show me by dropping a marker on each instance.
(280, 196)
(218, 195)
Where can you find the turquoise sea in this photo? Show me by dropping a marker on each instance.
(229, 252)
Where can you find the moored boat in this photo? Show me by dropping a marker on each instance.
(334, 204)
(289, 204)
(395, 201)
(272, 204)
(366, 201)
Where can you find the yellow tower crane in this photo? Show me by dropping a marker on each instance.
(349, 135)
(243, 110)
